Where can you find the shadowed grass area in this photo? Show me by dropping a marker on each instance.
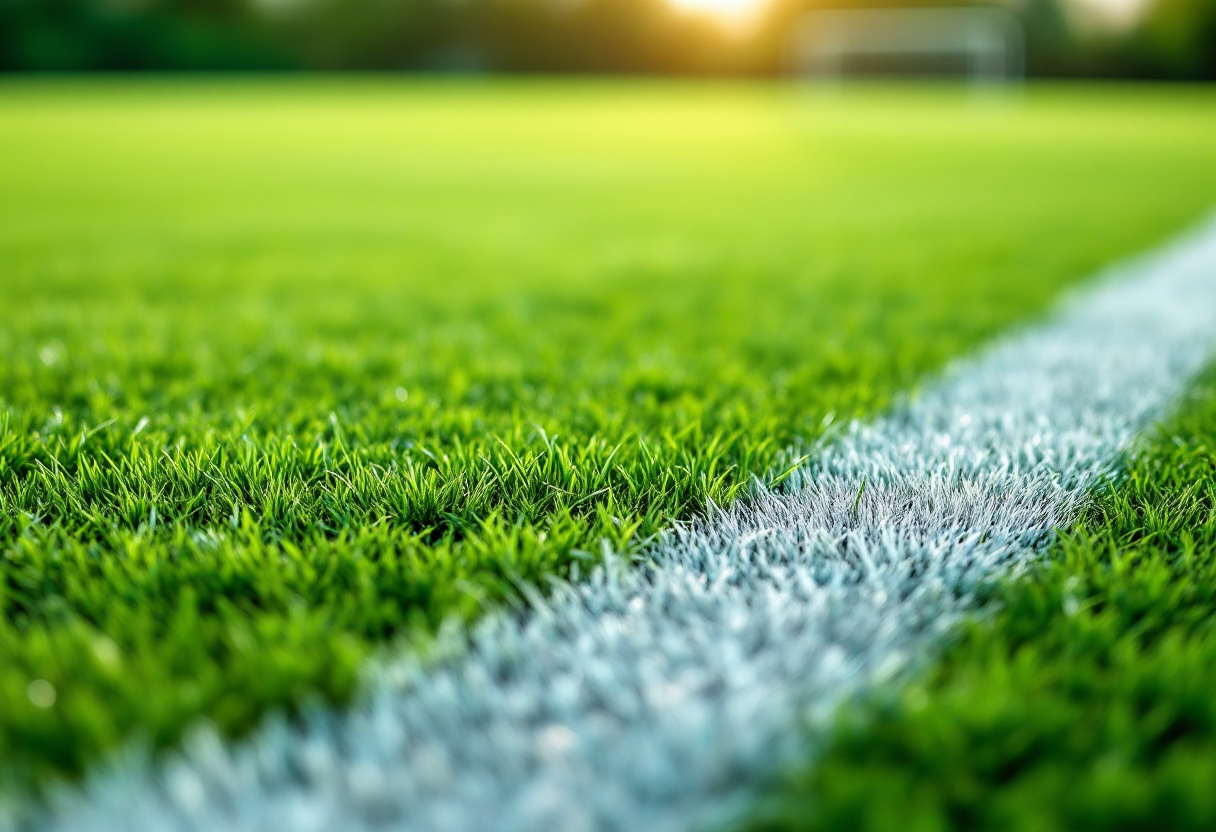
(1084, 702)
(296, 368)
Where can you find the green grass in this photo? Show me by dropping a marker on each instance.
(1085, 702)
(293, 369)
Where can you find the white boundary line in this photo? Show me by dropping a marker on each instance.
(657, 697)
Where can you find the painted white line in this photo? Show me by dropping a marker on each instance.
(655, 698)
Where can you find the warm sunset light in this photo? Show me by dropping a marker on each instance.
(721, 8)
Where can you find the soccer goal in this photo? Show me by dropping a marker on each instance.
(985, 45)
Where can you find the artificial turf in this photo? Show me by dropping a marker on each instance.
(1083, 700)
(295, 368)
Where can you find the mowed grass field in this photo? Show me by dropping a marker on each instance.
(295, 370)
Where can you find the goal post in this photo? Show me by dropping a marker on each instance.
(985, 44)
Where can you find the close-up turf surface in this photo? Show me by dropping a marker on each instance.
(1085, 700)
(296, 371)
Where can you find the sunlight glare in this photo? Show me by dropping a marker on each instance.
(720, 8)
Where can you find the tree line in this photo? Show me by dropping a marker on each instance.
(1171, 39)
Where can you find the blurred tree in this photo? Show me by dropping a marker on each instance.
(1178, 39)
(67, 35)
(1051, 47)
